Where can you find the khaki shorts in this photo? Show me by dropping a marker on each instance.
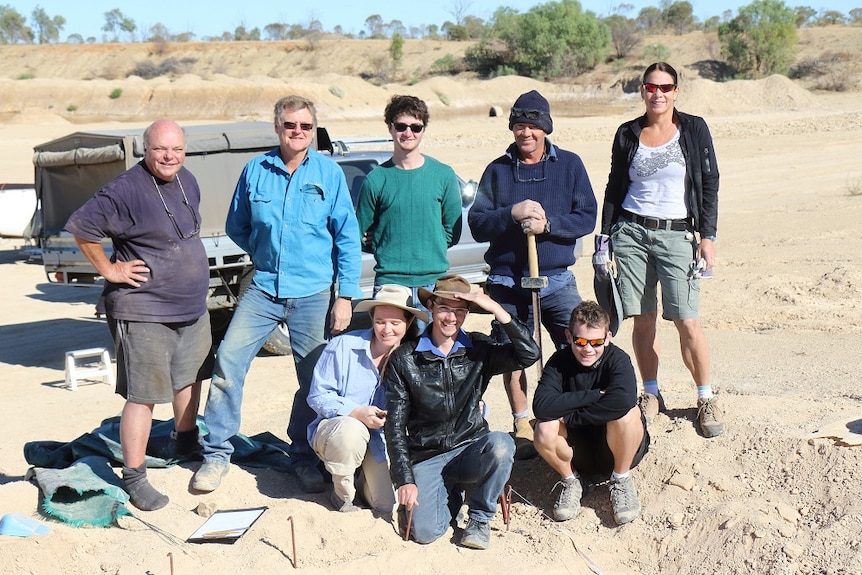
(646, 259)
(156, 360)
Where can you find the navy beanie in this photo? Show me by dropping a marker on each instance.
(532, 101)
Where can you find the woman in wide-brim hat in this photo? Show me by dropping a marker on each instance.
(349, 400)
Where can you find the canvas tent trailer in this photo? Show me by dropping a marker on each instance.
(69, 170)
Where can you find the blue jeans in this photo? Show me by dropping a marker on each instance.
(484, 465)
(556, 307)
(255, 318)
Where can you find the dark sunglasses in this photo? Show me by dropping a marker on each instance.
(582, 342)
(415, 128)
(303, 126)
(665, 88)
(524, 113)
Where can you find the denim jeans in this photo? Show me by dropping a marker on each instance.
(556, 307)
(483, 466)
(255, 318)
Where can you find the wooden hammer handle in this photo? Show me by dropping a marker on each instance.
(532, 256)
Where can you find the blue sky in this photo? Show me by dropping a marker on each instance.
(212, 17)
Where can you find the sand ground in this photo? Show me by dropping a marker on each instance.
(782, 315)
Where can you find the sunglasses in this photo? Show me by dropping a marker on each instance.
(665, 88)
(582, 342)
(525, 113)
(303, 126)
(415, 128)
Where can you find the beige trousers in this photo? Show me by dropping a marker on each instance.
(342, 444)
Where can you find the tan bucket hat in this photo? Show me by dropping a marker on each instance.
(446, 287)
(394, 295)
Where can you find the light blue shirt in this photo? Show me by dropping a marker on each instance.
(300, 230)
(345, 378)
(425, 343)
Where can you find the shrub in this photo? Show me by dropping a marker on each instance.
(761, 40)
(26, 76)
(115, 93)
(336, 91)
(71, 108)
(656, 53)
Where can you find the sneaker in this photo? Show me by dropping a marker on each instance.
(710, 417)
(569, 501)
(477, 535)
(342, 506)
(310, 478)
(624, 500)
(651, 405)
(524, 448)
(209, 476)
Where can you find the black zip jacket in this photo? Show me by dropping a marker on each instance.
(574, 392)
(433, 402)
(700, 164)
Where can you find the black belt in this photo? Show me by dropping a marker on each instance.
(659, 224)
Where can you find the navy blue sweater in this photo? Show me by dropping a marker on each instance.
(560, 183)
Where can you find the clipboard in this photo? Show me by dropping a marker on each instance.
(226, 526)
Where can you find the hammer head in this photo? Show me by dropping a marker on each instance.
(534, 283)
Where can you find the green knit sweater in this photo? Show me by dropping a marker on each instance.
(411, 218)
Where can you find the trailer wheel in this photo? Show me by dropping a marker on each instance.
(279, 340)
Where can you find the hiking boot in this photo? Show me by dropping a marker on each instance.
(308, 475)
(569, 501)
(624, 500)
(524, 448)
(477, 535)
(710, 417)
(209, 476)
(651, 405)
(342, 506)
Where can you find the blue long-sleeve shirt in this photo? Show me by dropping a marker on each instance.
(345, 378)
(300, 230)
(560, 183)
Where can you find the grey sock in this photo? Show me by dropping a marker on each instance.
(142, 495)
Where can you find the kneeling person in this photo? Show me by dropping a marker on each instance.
(348, 397)
(589, 421)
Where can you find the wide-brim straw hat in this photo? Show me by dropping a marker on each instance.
(396, 296)
(447, 287)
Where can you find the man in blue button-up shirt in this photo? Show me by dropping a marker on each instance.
(293, 214)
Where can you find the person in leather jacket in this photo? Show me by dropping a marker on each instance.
(437, 438)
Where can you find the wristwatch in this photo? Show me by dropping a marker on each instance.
(547, 226)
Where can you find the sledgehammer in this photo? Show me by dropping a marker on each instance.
(534, 283)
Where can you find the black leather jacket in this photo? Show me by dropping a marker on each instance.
(433, 402)
(701, 166)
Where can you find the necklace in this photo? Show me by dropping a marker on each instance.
(197, 226)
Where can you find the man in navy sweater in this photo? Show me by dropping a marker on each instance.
(534, 188)
(589, 421)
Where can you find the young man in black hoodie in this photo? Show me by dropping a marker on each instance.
(588, 418)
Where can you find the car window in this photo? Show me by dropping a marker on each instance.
(355, 172)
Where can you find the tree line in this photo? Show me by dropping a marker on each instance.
(551, 40)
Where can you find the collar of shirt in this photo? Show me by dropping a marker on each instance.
(425, 343)
(551, 154)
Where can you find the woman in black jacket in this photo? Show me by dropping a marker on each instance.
(659, 223)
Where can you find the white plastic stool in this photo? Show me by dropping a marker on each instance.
(97, 364)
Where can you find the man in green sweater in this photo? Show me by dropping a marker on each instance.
(409, 207)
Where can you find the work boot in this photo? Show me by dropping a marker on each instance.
(710, 417)
(569, 501)
(343, 506)
(624, 500)
(477, 535)
(209, 476)
(524, 448)
(651, 405)
(142, 495)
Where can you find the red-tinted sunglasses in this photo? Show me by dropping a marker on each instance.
(582, 342)
(665, 88)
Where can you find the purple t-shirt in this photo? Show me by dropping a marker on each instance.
(130, 211)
